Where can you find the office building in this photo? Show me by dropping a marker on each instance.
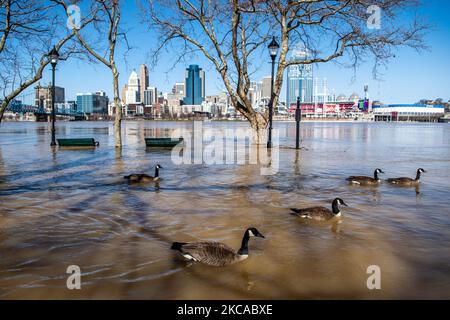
(92, 103)
(266, 87)
(299, 82)
(194, 85)
(150, 96)
(133, 90)
(178, 88)
(144, 81)
(43, 96)
(123, 93)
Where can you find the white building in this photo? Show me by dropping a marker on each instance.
(410, 110)
(133, 89)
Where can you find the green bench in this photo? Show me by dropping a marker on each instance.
(162, 142)
(80, 142)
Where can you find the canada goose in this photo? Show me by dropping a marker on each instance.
(366, 180)
(216, 253)
(142, 177)
(407, 181)
(320, 213)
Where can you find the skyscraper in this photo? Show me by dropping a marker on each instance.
(133, 90)
(150, 96)
(266, 87)
(123, 93)
(194, 85)
(144, 81)
(299, 79)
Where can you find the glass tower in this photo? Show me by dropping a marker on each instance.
(299, 80)
(194, 85)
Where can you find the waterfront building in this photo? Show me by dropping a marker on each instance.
(408, 112)
(194, 85)
(321, 93)
(66, 107)
(178, 88)
(14, 106)
(150, 96)
(43, 96)
(144, 82)
(123, 93)
(92, 103)
(299, 82)
(255, 93)
(133, 89)
(266, 87)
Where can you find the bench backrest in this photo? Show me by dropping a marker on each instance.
(77, 142)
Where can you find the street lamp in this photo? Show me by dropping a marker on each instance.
(54, 56)
(273, 50)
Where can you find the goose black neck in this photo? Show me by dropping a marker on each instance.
(244, 246)
(418, 175)
(156, 172)
(335, 207)
(375, 175)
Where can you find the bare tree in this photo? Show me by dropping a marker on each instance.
(105, 51)
(28, 31)
(233, 34)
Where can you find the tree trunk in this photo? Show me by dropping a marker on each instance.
(117, 104)
(3, 107)
(258, 124)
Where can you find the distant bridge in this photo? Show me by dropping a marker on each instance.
(23, 104)
(42, 115)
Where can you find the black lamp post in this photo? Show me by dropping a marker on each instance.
(298, 118)
(54, 56)
(273, 50)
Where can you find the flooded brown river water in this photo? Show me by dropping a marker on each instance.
(72, 207)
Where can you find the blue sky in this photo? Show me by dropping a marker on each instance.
(408, 77)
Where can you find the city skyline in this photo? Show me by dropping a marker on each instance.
(429, 68)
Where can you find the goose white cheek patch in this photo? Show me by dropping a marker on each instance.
(250, 233)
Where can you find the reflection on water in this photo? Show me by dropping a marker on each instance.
(72, 207)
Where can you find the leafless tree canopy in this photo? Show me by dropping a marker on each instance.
(233, 35)
(28, 31)
(101, 41)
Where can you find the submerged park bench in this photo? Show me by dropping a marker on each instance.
(162, 142)
(78, 142)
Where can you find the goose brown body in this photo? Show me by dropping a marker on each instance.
(365, 180)
(320, 213)
(216, 253)
(142, 177)
(405, 181)
(212, 253)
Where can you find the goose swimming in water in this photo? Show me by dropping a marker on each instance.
(407, 181)
(142, 177)
(215, 253)
(364, 180)
(320, 213)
